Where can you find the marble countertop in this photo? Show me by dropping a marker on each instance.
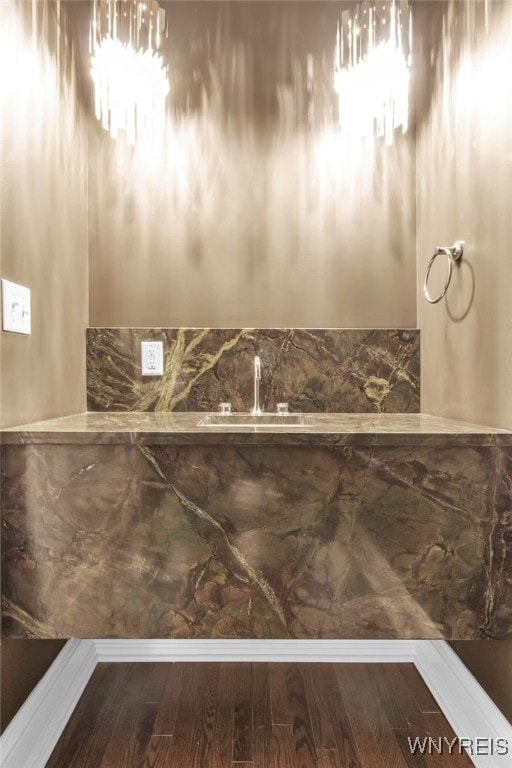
(181, 428)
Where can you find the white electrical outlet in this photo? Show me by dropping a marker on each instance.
(15, 308)
(152, 358)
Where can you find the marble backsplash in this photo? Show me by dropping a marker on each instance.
(314, 370)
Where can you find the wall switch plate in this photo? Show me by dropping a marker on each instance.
(15, 308)
(152, 358)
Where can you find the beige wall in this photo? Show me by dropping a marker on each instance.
(464, 191)
(43, 230)
(252, 211)
(43, 226)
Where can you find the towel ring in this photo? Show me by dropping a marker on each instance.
(454, 254)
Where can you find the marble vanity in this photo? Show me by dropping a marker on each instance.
(369, 520)
(368, 525)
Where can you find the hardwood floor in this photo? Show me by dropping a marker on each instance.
(212, 715)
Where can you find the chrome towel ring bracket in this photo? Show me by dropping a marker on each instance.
(454, 253)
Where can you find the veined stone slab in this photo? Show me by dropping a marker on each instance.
(315, 370)
(264, 541)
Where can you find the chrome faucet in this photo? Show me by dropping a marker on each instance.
(256, 410)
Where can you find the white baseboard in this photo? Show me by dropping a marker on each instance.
(31, 736)
(463, 701)
(257, 650)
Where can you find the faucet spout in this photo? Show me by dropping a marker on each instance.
(256, 409)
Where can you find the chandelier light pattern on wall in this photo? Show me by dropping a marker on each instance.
(130, 79)
(371, 68)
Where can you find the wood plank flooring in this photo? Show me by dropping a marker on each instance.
(211, 715)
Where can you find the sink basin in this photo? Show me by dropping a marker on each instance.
(247, 420)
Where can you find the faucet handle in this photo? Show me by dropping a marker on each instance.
(226, 409)
(282, 409)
